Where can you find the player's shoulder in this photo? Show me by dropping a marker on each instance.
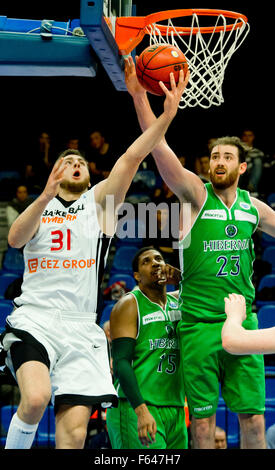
(125, 305)
(264, 210)
(258, 203)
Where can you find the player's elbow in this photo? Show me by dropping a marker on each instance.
(14, 238)
(13, 242)
(228, 344)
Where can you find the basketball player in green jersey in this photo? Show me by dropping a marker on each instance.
(216, 254)
(146, 362)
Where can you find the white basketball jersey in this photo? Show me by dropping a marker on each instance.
(65, 260)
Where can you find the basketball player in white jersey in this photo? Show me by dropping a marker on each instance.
(54, 347)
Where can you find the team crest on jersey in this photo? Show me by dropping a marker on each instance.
(245, 205)
(231, 230)
(173, 304)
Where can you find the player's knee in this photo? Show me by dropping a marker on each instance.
(254, 424)
(202, 427)
(34, 403)
(77, 437)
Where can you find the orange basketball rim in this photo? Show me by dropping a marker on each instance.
(207, 48)
(130, 30)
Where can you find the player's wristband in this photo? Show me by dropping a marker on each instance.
(123, 353)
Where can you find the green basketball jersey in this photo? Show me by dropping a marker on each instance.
(156, 360)
(217, 257)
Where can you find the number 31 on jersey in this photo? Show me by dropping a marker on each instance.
(60, 240)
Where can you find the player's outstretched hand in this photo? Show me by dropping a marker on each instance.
(131, 80)
(235, 307)
(54, 180)
(173, 96)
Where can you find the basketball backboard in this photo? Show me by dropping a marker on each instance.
(44, 48)
(98, 21)
(52, 48)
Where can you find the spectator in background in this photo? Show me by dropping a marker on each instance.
(18, 204)
(210, 142)
(39, 163)
(201, 164)
(220, 438)
(254, 162)
(182, 159)
(100, 155)
(73, 143)
(204, 173)
(270, 437)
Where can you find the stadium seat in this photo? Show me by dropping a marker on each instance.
(171, 288)
(233, 429)
(269, 416)
(266, 316)
(6, 307)
(270, 389)
(269, 256)
(6, 413)
(127, 278)
(9, 175)
(221, 400)
(6, 278)
(122, 262)
(106, 312)
(142, 187)
(267, 282)
(270, 371)
(45, 436)
(221, 416)
(13, 261)
(267, 240)
(145, 179)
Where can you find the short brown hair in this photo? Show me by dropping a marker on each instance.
(235, 142)
(67, 152)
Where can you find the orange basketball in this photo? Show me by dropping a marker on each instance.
(156, 63)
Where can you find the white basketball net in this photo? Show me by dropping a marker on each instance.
(207, 55)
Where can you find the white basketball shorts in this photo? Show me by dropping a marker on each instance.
(77, 349)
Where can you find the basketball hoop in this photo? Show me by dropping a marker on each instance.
(207, 49)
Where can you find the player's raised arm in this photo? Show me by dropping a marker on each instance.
(121, 176)
(27, 223)
(185, 184)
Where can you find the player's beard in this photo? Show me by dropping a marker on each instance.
(228, 181)
(75, 186)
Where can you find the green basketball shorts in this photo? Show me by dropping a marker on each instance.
(206, 364)
(171, 427)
